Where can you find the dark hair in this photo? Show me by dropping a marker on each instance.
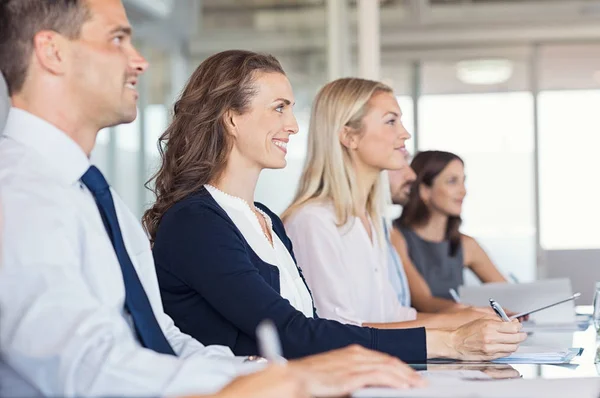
(428, 165)
(195, 147)
(21, 20)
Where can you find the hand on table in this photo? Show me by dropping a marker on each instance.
(276, 381)
(340, 372)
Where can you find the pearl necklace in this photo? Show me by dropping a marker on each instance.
(265, 216)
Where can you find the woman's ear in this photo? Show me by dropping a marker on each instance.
(229, 119)
(348, 137)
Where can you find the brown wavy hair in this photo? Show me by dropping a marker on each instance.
(428, 165)
(195, 147)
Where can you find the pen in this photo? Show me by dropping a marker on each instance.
(269, 345)
(498, 310)
(454, 295)
(512, 277)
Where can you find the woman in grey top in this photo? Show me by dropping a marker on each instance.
(429, 227)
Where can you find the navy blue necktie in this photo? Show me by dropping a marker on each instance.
(136, 300)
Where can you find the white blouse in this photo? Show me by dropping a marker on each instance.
(346, 272)
(292, 288)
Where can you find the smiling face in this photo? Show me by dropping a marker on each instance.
(381, 142)
(447, 191)
(262, 133)
(104, 66)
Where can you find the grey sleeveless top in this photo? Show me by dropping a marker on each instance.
(433, 261)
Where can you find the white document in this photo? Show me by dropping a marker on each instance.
(462, 374)
(540, 355)
(514, 388)
(524, 297)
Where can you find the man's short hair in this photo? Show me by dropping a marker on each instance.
(20, 20)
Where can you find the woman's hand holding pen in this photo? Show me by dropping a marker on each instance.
(481, 340)
(487, 338)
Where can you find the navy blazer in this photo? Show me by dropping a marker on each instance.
(218, 290)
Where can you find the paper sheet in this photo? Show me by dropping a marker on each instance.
(515, 388)
(463, 374)
(541, 355)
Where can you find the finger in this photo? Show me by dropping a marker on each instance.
(365, 354)
(510, 338)
(361, 355)
(497, 337)
(509, 327)
(353, 382)
(401, 370)
(392, 365)
(384, 378)
(499, 350)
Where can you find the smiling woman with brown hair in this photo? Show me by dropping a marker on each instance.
(224, 263)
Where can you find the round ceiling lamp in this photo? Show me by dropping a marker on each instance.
(484, 71)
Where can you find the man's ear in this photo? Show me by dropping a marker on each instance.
(51, 50)
(348, 137)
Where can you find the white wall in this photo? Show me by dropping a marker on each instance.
(581, 266)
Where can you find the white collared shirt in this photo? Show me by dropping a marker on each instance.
(347, 272)
(292, 288)
(62, 321)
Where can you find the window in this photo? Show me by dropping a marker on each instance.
(569, 191)
(493, 133)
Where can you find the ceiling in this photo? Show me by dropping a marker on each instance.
(248, 5)
(296, 32)
(253, 5)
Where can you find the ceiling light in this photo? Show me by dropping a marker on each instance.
(484, 71)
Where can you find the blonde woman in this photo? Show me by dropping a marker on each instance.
(336, 219)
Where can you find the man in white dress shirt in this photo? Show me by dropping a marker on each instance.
(67, 326)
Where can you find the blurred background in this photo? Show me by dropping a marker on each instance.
(512, 86)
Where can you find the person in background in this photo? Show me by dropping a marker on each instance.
(224, 262)
(80, 309)
(400, 182)
(433, 250)
(335, 220)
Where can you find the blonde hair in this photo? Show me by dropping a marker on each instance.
(328, 174)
